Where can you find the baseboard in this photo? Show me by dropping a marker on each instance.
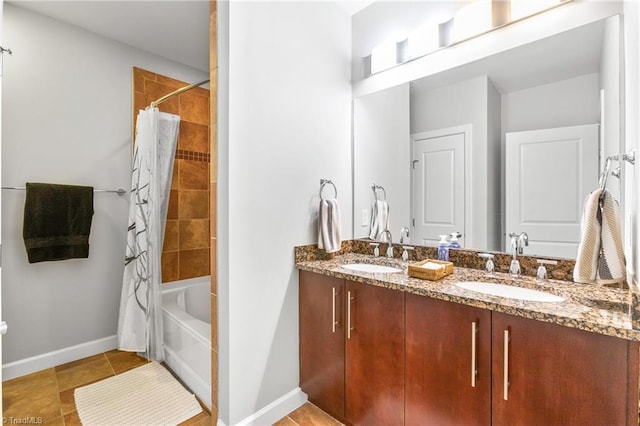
(51, 359)
(276, 410)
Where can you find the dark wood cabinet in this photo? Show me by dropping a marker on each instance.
(557, 375)
(448, 367)
(352, 349)
(375, 355)
(322, 341)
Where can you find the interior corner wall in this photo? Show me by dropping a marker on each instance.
(66, 103)
(289, 125)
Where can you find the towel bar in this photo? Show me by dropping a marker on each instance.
(118, 191)
(629, 157)
(324, 182)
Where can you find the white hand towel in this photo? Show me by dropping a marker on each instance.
(600, 257)
(329, 238)
(379, 219)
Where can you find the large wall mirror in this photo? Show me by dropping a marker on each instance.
(513, 142)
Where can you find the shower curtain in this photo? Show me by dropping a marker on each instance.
(140, 318)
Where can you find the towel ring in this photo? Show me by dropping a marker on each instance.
(375, 189)
(324, 182)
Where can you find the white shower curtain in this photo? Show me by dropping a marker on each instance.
(140, 318)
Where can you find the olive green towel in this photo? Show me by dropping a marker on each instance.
(57, 221)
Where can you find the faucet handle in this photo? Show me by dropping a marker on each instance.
(490, 266)
(405, 253)
(376, 250)
(514, 268)
(390, 250)
(542, 270)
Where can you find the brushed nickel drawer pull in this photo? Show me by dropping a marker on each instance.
(474, 372)
(505, 383)
(333, 313)
(349, 328)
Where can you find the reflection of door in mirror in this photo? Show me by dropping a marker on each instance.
(549, 173)
(438, 183)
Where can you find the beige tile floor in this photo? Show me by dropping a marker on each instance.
(47, 396)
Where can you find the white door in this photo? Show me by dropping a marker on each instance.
(438, 186)
(549, 173)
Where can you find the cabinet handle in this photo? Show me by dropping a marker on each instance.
(474, 372)
(333, 312)
(505, 383)
(349, 328)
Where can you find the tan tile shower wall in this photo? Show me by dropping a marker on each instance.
(186, 249)
(213, 140)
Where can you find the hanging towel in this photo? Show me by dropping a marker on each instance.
(329, 226)
(379, 219)
(600, 257)
(57, 221)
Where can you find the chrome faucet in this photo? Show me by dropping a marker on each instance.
(390, 247)
(404, 232)
(518, 241)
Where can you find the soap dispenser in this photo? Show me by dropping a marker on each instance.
(453, 240)
(443, 248)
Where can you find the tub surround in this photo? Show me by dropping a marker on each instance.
(597, 309)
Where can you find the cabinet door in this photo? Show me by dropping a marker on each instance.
(375, 355)
(322, 341)
(560, 376)
(448, 370)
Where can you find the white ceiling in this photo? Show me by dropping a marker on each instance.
(174, 29)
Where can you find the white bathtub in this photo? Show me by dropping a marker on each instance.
(186, 307)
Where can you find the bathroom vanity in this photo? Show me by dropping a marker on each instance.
(388, 349)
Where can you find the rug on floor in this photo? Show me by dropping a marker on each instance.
(146, 395)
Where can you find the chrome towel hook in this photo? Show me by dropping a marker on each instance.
(324, 182)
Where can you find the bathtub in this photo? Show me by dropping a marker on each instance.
(186, 314)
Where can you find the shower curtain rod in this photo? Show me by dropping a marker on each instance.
(157, 102)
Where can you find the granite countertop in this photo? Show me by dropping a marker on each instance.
(597, 309)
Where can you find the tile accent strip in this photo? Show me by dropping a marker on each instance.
(183, 154)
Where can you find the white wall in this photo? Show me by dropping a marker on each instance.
(382, 155)
(568, 102)
(610, 73)
(289, 124)
(631, 27)
(66, 105)
(495, 233)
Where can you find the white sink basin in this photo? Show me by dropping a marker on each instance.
(510, 292)
(368, 267)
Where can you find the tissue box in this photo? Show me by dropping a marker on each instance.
(417, 270)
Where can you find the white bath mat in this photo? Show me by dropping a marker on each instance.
(146, 395)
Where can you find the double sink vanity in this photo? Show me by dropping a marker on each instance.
(378, 347)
